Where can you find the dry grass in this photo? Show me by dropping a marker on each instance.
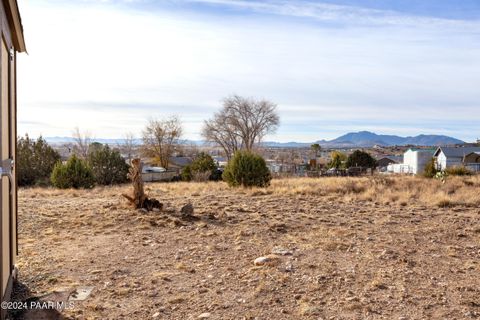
(403, 190)
(359, 248)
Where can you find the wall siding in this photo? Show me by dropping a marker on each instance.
(8, 221)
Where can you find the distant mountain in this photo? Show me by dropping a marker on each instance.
(350, 140)
(62, 140)
(369, 139)
(66, 140)
(292, 144)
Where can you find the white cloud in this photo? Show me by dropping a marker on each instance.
(107, 69)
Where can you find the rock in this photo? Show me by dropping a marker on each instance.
(282, 251)
(156, 315)
(350, 299)
(187, 210)
(271, 259)
(204, 315)
(289, 267)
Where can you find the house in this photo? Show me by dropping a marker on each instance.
(220, 161)
(417, 159)
(398, 168)
(178, 163)
(11, 43)
(472, 161)
(384, 161)
(447, 157)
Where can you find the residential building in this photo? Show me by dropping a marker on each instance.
(11, 43)
(447, 157)
(417, 159)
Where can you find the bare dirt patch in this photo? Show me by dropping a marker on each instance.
(336, 249)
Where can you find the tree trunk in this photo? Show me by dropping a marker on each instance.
(139, 200)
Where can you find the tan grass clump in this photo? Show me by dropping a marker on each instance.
(401, 190)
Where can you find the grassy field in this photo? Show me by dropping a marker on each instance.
(338, 248)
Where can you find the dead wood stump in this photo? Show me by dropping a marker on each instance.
(139, 200)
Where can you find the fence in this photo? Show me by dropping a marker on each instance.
(475, 167)
(159, 176)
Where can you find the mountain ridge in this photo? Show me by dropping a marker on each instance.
(348, 140)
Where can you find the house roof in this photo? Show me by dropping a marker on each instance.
(431, 150)
(473, 153)
(180, 161)
(15, 23)
(456, 152)
(397, 159)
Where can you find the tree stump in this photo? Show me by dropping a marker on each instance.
(139, 200)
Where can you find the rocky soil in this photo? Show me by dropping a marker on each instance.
(250, 255)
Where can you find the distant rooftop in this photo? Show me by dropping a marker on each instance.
(457, 152)
(432, 150)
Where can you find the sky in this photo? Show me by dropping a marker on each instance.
(404, 67)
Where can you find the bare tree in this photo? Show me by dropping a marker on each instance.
(160, 138)
(219, 131)
(82, 142)
(129, 145)
(241, 123)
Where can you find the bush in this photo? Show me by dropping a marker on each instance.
(337, 160)
(361, 159)
(430, 170)
(76, 173)
(187, 173)
(247, 169)
(107, 165)
(203, 168)
(458, 171)
(35, 161)
(216, 175)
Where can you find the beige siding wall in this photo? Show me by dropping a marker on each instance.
(5, 154)
(13, 153)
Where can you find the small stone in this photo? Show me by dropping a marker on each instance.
(266, 260)
(187, 210)
(204, 315)
(156, 315)
(282, 251)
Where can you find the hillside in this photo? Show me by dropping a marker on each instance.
(353, 139)
(369, 139)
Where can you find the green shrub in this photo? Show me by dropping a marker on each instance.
(107, 165)
(337, 161)
(201, 169)
(187, 173)
(35, 161)
(361, 159)
(430, 170)
(458, 171)
(247, 169)
(76, 173)
(216, 175)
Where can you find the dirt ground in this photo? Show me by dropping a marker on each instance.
(329, 256)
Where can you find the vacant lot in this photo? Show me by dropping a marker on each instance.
(340, 248)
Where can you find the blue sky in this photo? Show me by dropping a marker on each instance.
(395, 67)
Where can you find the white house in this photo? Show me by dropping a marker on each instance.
(447, 157)
(417, 159)
(398, 168)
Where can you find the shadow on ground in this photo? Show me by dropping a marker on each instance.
(36, 308)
